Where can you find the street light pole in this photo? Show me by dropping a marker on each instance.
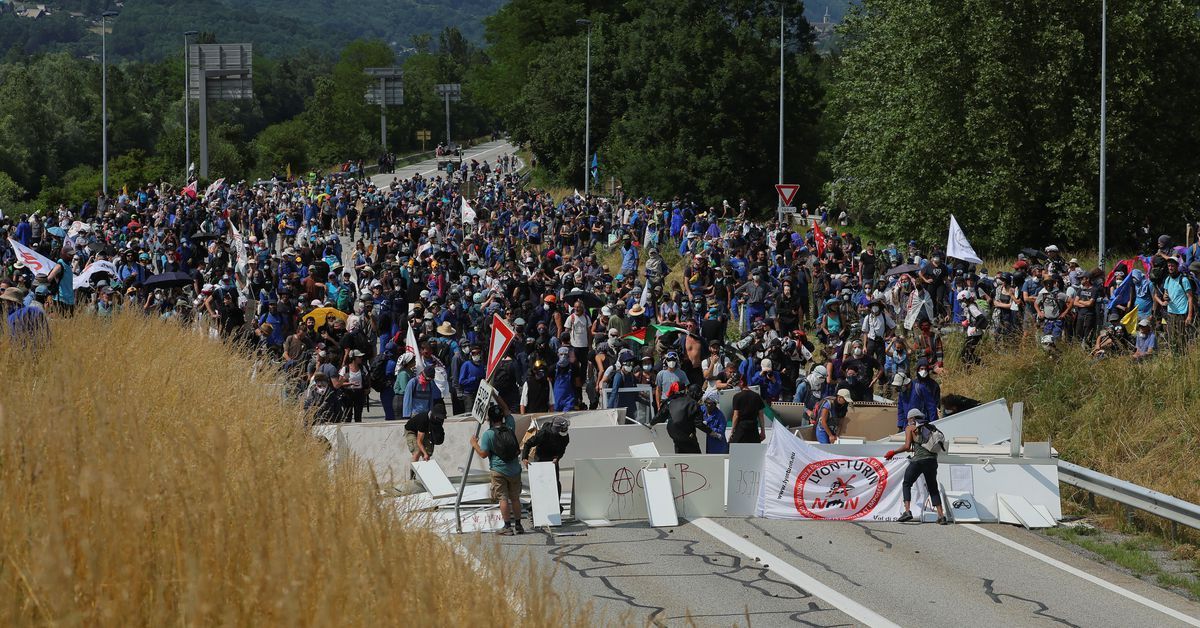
(779, 213)
(1103, 120)
(587, 115)
(104, 98)
(187, 106)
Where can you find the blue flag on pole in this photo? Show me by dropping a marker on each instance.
(595, 166)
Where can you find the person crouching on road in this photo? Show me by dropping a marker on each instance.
(925, 442)
(548, 444)
(683, 417)
(499, 445)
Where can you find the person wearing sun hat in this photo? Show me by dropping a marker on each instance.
(829, 413)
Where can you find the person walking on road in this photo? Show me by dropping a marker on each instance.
(499, 445)
(925, 442)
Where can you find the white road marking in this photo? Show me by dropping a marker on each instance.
(1123, 592)
(780, 568)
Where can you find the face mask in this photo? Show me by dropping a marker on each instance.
(922, 373)
(851, 378)
(648, 367)
(875, 309)
(671, 364)
(477, 358)
(758, 354)
(627, 368)
(322, 389)
(858, 353)
(540, 374)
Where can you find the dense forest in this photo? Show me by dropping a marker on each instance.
(919, 108)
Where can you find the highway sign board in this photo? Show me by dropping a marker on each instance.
(483, 399)
(786, 192)
(502, 336)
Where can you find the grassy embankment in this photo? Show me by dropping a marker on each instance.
(147, 480)
(1137, 422)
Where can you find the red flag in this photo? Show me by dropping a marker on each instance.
(819, 237)
(637, 335)
(190, 190)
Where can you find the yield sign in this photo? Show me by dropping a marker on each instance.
(786, 192)
(502, 336)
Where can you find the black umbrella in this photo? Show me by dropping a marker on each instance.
(201, 236)
(590, 299)
(168, 280)
(1035, 254)
(902, 269)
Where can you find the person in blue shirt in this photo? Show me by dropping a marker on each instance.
(564, 381)
(505, 474)
(422, 393)
(24, 231)
(471, 373)
(922, 393)
(713, 417)
(769, 382)
(629, 257)
(1146, 342)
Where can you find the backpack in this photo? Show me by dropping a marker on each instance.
(504, 444)
(935, 440)
(378, 373)
(437, 428)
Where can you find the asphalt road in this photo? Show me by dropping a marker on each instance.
(909, 574)
(491, 151)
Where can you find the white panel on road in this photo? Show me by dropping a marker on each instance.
(543, 489)
(960, 505)
(644, 450)
(1045, 513)
(597, 523)
(612, 488)
(434, 479)
(1024, 512)
(743, 478)
(660, 503)
(481, 520)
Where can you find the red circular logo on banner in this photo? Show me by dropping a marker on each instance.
(840, 490)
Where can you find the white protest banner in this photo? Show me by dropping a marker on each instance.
(410, 346)
(34, 261)
(238, 245)
(800, 481)
(468, 214)
(957, 245)
(214, 188)
(99, 266)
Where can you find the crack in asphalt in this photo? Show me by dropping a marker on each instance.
(579, 558)
(791, 550)
(870, 532)
(989, 588)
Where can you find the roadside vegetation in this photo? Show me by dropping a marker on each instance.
(144, 486)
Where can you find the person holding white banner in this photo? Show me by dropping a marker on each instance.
(924, 441)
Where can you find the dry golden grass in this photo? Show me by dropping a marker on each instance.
(1137, 422)
(147, 481)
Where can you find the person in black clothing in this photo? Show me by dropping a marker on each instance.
(548, 444)
(536, 393)
(324, 400)
(683, 417)
(747, 409)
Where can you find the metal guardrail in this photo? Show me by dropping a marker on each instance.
(1130, 494)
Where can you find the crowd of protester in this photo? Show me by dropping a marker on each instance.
(334, 276)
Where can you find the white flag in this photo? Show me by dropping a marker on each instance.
(468, 214)
(578, 195)
(957, 245)
(214, 188)
(99, 266)
(238, 245)
(410, 346)
(645, 294)
(34, 261)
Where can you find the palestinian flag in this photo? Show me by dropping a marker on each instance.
(637, 335)
(666, 329)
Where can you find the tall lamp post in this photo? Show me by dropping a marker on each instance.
(1103, 119)
(187, 106)
(779, 213)
(104, 96)
(587, 115)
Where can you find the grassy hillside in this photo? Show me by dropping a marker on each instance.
(1137, 422)
(146, 480)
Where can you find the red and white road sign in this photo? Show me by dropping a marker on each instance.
(502, 336)
(786, 192)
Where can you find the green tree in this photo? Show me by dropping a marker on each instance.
(990, 110)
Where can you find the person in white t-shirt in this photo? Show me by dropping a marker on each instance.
(579, 328)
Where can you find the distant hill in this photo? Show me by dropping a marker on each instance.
(274, 26)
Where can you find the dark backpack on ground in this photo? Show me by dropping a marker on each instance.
(504, 444)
